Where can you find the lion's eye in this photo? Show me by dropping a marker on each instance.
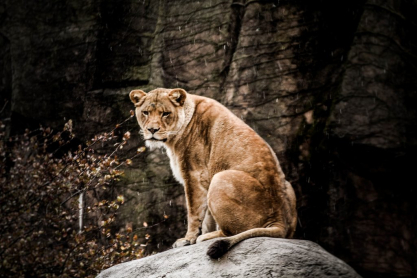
(166, 114)
(145, 113)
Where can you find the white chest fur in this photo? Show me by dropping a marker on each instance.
(175, 166)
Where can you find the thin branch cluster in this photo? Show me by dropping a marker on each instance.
(41, 180)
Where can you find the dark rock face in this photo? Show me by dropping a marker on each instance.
(330, 85)
(255, 257)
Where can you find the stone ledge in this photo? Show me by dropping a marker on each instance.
(255, 257)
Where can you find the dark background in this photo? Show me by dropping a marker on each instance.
(330, 85)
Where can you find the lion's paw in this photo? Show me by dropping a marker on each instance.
(201, 238)
(181, 242)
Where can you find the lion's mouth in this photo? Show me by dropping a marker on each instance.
(154, 139)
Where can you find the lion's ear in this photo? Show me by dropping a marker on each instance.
(137, 97)
(177, 96)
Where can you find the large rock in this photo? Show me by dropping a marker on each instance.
(255, 257)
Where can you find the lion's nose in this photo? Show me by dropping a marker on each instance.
(153, 130)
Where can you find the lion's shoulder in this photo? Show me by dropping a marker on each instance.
(207, 108)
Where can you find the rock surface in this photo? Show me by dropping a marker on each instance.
(255, 257)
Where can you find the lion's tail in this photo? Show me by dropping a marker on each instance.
(220, 247)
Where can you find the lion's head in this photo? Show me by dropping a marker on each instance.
(160, 113)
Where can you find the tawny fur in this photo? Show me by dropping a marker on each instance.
(229, 172)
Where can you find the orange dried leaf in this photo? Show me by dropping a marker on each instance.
(126, 136)
(121, 199)
(141, 150)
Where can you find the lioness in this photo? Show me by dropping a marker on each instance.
(229, 172)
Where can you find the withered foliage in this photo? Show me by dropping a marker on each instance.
(41, 180)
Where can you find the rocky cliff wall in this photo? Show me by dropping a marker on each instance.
(330, 85)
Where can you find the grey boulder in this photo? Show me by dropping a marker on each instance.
(255, 257)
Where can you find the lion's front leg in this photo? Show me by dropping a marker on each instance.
(196, 198)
